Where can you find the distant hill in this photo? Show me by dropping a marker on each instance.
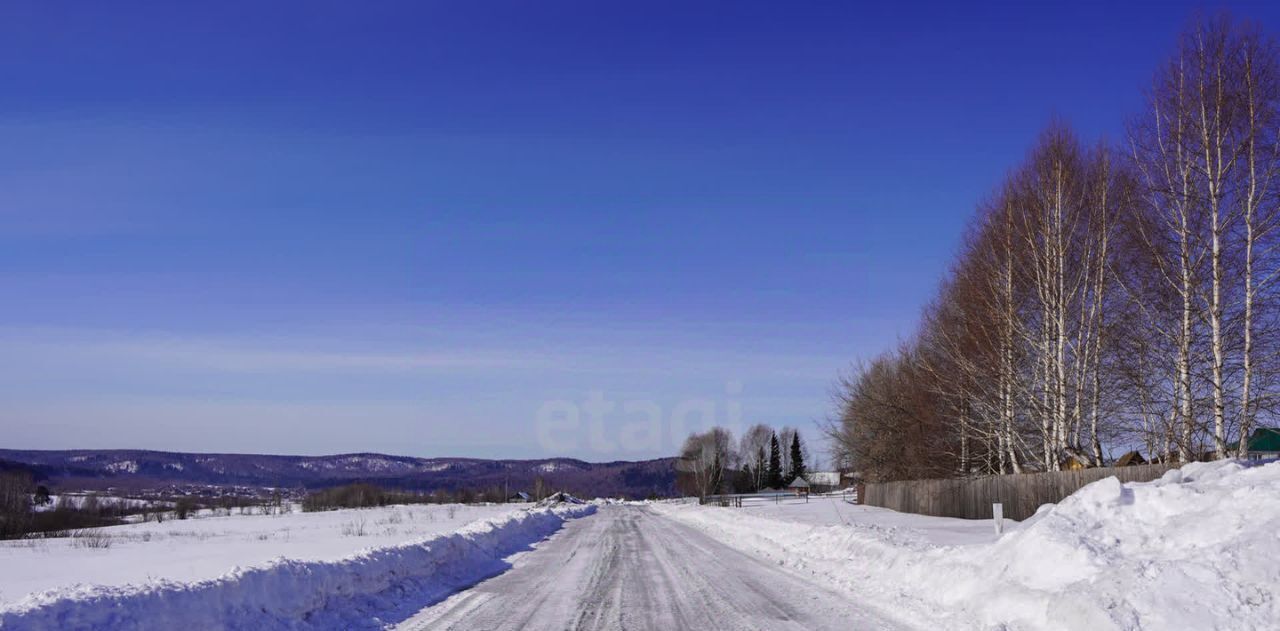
(137, 469)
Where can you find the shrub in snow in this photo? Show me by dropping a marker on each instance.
(354, 528)
(90, 538)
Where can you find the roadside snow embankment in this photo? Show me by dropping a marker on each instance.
(208, 545)
(1197, 549)
(366, 590)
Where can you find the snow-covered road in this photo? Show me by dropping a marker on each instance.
(629, 568)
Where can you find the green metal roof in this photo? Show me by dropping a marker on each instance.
(1263, 439)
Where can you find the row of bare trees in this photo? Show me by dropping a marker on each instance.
(1106, 297)
(713, 462)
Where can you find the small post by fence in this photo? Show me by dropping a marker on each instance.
(997, 513)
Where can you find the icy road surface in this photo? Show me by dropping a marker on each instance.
(629, 568)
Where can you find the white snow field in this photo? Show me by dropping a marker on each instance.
(208, 547)
(1197, 549)
(308, 570)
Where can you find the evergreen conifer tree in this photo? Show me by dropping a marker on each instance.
(797, 459)
(775, 463)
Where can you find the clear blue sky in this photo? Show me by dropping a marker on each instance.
(425, 228)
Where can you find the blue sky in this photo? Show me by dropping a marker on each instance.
(468, 228)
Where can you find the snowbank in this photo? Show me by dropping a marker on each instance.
(207, 547)
(366, 590)
(1197, 549)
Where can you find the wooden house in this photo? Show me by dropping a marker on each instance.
(799, 486)
(1130, 459)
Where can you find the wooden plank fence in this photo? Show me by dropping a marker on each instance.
(971, 498)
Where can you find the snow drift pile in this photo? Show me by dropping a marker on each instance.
(1197, 549)
(369, 589)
